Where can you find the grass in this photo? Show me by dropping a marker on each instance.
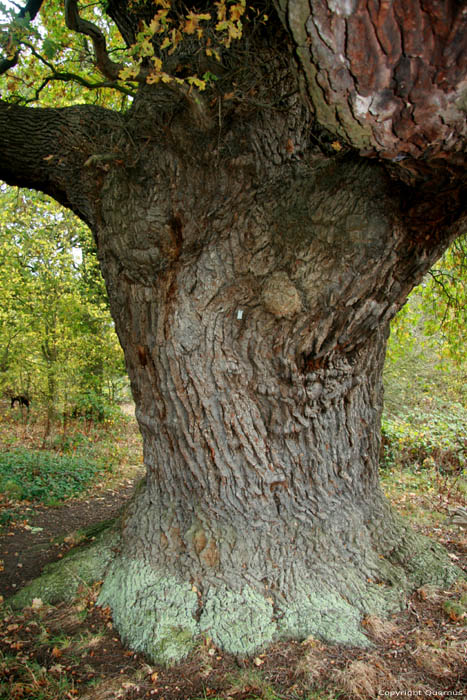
(431, 435)
(423, 465)
(67, 462)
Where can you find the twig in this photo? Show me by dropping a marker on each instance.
(30, 10)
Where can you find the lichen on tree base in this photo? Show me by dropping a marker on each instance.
(154, 613)
(162, 615)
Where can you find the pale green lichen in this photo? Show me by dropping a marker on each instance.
(157, 614)
(323, 615)
(425, 561)
(154, 614)
(239, 622)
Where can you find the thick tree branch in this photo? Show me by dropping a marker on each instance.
(74, 22)
(30, 10)
(45, 149)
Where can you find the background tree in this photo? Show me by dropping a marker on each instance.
(58, 342)
(426, 355)
(284, 176)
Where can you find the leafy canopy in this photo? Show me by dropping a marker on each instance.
(73, 52)
(57, 339)
(426, 350)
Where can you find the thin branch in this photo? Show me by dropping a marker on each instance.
(69, 76)
(72, 77)
(436, 276)
(74, 22)
(30, 10)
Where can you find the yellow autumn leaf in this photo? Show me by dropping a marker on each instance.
(157, 64)
(221, 10)
(175, 36)
(128, 73)
(153, 78)
(193, 20)
(197, 82)
(154, 25)
(146, 48)
(235, 31)
(236, 11)
(190, 26)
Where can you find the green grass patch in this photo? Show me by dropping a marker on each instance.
(47, 477)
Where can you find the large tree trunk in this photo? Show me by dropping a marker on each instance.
(253, 261)
(254, 334)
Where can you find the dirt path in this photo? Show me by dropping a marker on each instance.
(43, 534)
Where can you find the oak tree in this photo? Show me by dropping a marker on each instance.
(277, 178)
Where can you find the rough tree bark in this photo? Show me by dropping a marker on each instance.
(253, 266)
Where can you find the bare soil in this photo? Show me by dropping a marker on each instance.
(43, 534)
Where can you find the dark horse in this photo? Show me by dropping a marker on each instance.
(22, 400)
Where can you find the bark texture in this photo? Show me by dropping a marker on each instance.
(253, 268)
(253, 303)
(389, 77)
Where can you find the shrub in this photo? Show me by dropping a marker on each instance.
(433, 435)
(45, 476)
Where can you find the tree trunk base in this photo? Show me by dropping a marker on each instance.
(332, 587)
(163, 616)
